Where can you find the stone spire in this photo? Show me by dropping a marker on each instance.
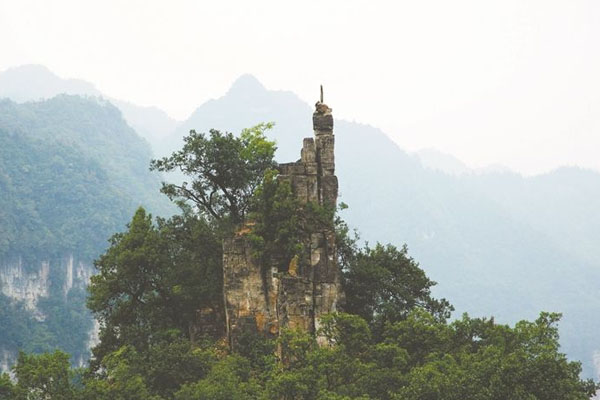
(298, 297)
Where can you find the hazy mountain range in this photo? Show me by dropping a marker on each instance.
(498, 243)
(36, 82)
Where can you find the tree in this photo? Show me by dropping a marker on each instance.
(6, 387)
(225, 170)
(44, 376)
(152, 280)
(121, 379)
(229, 378)
(126, 295)
(383, 284)
(281, 223)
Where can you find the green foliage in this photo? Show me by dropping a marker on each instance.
(6, 388)
(152, 280)
(492, 362)
(44, 376)
(54, 201)
(122, 379)
(257, 349)
(281, 222)
(156, 373)
(71, 172)
(17, 324)
(225, 170)
(276, 233)
(503, 363)
(395, 343)
(419, 357)
(383, 284)
(67, 329)
(229, 378)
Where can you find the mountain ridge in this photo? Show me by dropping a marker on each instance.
(497, 242)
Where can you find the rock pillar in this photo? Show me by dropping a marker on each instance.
(265, 300)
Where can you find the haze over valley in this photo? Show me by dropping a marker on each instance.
(497, 242)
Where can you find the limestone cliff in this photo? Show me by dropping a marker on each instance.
(27, 283)
(40, 296)
(310, 287)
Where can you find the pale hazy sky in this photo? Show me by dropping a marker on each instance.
(513, 82)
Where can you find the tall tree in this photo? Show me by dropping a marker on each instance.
(383, 284)
(225, 170)
(44, 376)
(152, 279)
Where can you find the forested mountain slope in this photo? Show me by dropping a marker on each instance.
(72, 172)
(36, 82)
(497, 243)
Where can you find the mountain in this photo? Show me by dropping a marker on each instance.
(498, 243)
(151, 123)
(436, 160)
(72, 172)
(36, 82)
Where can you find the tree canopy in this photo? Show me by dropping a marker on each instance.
(383, 284)
(225, 170)
(393, 342)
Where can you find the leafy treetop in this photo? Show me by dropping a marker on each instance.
(225, 170)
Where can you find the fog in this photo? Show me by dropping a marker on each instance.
(512, 82)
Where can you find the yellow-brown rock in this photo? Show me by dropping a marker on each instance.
(259, 297)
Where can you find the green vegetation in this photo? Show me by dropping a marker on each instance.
(394, 342)
(279, 221)
(498, 243)
(54, 201)
(71, 174)
(67, 324)
(225, 170)
(383, 285)
(152, 280)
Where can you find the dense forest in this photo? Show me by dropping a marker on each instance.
(497, 242)
(394, 339)
(71, 173)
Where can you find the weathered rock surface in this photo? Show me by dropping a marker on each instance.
(263, 299)
(29, 282)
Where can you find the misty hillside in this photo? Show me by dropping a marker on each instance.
(36, 82)
(94, 129)
(72, 173)
(497, 243)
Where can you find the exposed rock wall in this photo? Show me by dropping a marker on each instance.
(25, 284)
(263, 299)
(28, 283)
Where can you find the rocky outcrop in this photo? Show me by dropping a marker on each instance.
(24, 284)
(27, 283)
(262, 298)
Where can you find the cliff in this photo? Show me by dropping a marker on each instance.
(267, 299)
(43, 308)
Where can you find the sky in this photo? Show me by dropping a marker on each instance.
(511, 82)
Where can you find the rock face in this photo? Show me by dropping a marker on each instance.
(28, 283)
(262, 299)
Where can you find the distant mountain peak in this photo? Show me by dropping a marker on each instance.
(35, 82)
(31, 68)
(246, 83)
